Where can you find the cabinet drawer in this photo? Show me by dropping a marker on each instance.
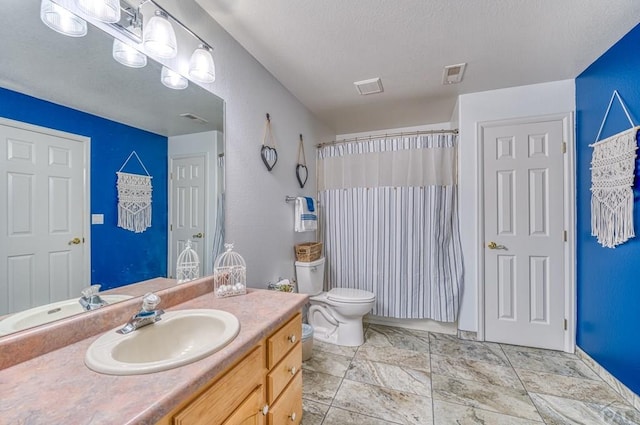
(284, 372)
(279, 344)
(230, 391)
(288, 408)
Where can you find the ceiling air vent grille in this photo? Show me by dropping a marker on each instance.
(453, 73)
(193, 117)
(372, 86)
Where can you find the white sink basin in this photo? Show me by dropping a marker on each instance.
(48, 313)
(179, 338)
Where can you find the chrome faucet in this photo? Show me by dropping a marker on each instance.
(90, 299)
(147, 315)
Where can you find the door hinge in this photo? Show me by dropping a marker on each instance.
(171, 175)
(565, 236)
(565, 324)
(171, 227)
(564, 147)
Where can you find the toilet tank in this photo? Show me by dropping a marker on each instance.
(310, 276)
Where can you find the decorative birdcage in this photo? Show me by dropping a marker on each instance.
(188, 264)
(229, 274)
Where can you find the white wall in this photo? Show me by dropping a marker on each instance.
(526, 101)
(258, 220)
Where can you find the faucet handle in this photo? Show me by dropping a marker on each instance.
(150, 301)
(91, 290)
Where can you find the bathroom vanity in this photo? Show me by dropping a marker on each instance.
(255, 379)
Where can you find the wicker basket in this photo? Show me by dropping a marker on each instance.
(308, 251)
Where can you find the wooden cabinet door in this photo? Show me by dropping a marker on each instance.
(250, 410)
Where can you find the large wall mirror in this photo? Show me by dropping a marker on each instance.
(56, 89)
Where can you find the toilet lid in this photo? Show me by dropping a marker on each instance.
(346, 295)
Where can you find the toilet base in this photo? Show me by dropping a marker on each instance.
(347, 335)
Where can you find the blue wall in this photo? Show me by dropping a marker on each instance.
(608, 286)
(118, 256)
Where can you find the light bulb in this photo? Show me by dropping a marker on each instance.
(159, 37)
(61, 20)
(201, 66)
(173, 80)
(127, 55)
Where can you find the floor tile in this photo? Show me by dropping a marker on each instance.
(555, 364)
(392, 355)
(457, 367)
(343, 417)
(312, 412)
(334, 349)
(495, 398)
(563, 411)
(383, 403)
(390, 376)
(569, 387)
(507, 348)
(448, 413)
(332, 364)
(406, 339)
(450, 345)
(319, 387)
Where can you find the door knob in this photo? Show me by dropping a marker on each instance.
(493, 245)
(75, 241)
(198, 235)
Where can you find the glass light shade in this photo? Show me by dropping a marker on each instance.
(127, 55)
(201, 66)
(173, 80)
(103, 10)
(159, 37)
(61, 20)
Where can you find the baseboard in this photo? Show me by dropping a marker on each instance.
(631, 397)
(417, 324)
(467, 335)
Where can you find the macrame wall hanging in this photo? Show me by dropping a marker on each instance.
(612, 172)
(134, 198)
(268, 151)
(302, 172)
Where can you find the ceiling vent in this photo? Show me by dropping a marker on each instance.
(371, 86)
(193, 117)
(453, 73)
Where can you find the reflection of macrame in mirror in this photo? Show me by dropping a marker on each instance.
(134, 198)
(612, 173)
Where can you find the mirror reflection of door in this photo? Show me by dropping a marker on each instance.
(188, 203)
(43, 255)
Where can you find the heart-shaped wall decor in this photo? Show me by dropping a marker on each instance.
(269, 156)
(302, 173)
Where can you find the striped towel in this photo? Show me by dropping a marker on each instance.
(305, 218)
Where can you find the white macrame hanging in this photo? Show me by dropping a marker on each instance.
(612, 173)
(134, 198)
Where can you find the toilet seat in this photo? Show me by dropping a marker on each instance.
(350, 295)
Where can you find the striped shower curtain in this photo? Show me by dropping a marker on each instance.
(389, 222)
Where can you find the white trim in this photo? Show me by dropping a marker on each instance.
(569, 221)
(427, 325)
(205, 263)
(86, 207)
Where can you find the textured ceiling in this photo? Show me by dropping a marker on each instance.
(318, 48)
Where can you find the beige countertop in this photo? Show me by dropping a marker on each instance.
(57, 387)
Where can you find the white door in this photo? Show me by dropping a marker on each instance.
(42, 257)
(524, 263)
(188, 202)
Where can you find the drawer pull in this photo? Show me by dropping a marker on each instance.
(293, 370)
(293, 416)
(265, 410)
(292, 339)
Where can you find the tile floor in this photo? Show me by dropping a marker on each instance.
(402, 376)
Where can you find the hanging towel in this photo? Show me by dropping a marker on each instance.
(305, 218)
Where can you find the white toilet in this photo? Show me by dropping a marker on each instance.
(336, 316)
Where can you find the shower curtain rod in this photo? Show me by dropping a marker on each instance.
(372, 136)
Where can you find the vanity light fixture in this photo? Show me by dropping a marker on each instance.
(61, 20)
(159, 38)
(127, 55)
(173, 80)
(201, 66)
(103, 10)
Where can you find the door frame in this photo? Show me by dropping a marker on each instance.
(569, 219)
(86, 183)
(205, 267)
